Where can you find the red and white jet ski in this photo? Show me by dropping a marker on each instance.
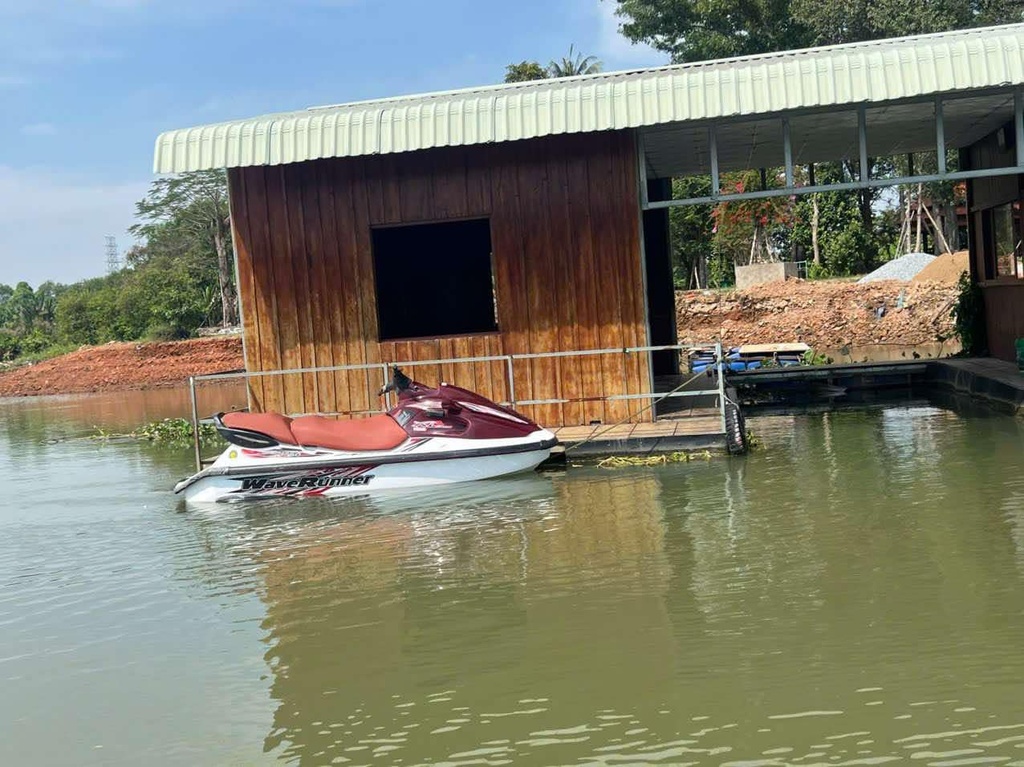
(431, 437)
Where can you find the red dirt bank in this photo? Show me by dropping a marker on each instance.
(825, 315)
(116, 366)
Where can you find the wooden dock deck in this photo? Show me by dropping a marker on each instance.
(696, 432)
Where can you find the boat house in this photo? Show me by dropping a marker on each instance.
(516, 236)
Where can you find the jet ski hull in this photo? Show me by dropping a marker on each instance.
(241, 474)
(431, 437)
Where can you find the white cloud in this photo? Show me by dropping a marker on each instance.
(613, 48)
(52, 227)
(39, 129)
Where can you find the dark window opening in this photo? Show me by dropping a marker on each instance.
(434, 280)
(1006, 234)
(1002, 232)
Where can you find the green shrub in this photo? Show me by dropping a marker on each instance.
(36, 343)
(10, 347)
(163, 331)
(817, 271)
(969, 317)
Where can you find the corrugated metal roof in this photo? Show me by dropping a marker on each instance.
(878, 71)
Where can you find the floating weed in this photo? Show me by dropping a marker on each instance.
(619, 461)
(172, 432)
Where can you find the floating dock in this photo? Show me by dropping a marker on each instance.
(680, 427)
(997, 383)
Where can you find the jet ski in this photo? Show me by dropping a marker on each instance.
(431, 437)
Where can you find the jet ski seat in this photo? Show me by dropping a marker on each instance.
(274, 425)
(378, 432)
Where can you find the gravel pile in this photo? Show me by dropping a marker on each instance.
(904, 268)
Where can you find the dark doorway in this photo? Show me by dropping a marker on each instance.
(661, 294)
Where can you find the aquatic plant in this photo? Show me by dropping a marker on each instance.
(811, 357)
(619, 461)
(172, 432)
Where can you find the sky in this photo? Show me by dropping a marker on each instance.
(87, 85)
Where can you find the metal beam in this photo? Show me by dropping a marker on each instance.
(940, 135)
(844, 187)
(713, 151)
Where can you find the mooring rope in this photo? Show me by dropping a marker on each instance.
(640, 412)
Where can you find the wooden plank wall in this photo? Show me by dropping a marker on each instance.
(1004, 307)
(565, 239)
(1004, 317)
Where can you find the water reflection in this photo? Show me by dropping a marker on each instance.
(34, 419)
(499, 584)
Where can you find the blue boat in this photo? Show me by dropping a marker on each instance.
(751, 357)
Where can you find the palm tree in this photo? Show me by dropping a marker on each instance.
(574, 64)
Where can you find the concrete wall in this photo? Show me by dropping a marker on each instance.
(755, 274)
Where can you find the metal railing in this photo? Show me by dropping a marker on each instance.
(509, 361)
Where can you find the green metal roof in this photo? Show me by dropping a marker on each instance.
(879, 71)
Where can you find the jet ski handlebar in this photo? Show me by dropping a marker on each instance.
(399, 383)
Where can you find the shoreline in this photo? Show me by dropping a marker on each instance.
(827, 316)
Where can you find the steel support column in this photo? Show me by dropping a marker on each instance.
(862, 142)
(713, 151)
(940, 136)
(641, 168)
(787, 151)
(1018, 124)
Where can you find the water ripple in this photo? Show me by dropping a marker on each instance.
(741, 611)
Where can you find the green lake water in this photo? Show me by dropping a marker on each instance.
(851, 593)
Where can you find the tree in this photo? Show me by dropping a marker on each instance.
(47, 296)
(23, 307)
(831, 225)
(568, 66)
(857, 20)
(6, 291)
(196, 205)
(574, 64)
(691, 233)
(747, 229)
(698, 30)
(525, 71)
